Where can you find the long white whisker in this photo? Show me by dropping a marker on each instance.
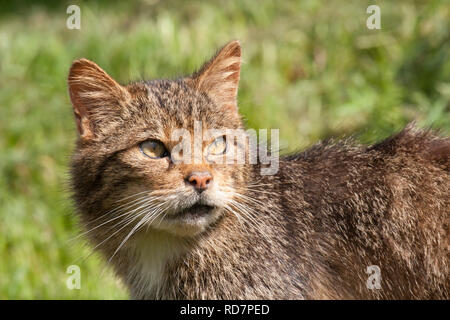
(126, 223)
(110, 220)
(154, 211)
(115, 209)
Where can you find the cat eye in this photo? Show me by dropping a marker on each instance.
(218, 147)
(153, 149)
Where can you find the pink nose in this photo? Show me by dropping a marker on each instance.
(200, 180)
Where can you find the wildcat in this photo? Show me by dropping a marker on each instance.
(317, 229)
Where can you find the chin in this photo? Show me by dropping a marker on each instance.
(189, 222)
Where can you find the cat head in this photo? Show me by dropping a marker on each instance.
(124, 165)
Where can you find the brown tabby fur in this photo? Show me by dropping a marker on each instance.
(311, 230)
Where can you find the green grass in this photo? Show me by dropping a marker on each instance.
(312, 69)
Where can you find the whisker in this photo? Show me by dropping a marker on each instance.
(131, 196)
(110, 220)
(154, 211)
(250, 216)
(110, 212)
(114, 210)
(126, 222)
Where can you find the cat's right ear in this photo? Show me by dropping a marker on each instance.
(96, 97)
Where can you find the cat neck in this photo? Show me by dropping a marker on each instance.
(147, 260)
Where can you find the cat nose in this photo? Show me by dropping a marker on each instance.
(200, 180)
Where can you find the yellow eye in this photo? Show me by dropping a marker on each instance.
(153, 149)
(218, 147)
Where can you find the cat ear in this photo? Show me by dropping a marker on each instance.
(95, 97)
(219, 77)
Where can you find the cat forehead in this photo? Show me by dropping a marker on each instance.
(165, 95)
(175, 94)
(175, 103)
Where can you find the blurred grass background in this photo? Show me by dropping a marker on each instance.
(312, 69)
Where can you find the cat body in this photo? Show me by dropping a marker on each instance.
(317, 229)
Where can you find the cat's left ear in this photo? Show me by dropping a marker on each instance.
(97, 99)
(219, 77)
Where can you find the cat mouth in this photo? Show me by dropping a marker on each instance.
(190, 221)
(193, 212)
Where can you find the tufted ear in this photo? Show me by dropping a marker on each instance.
(219, 77)
(96, 97)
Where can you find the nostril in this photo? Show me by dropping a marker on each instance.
(192, 180)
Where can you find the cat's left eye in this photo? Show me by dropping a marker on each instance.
(218, 146)
(153, 149)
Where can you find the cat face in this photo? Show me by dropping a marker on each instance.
(132, 165)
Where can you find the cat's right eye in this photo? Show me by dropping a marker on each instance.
(153, 149)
